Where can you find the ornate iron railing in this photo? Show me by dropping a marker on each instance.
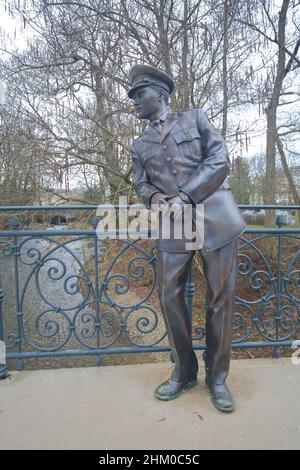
(67, 293)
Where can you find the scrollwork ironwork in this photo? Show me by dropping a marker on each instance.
(61, 302)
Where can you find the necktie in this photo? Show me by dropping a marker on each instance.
(158, 125)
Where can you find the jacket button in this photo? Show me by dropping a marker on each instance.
(164, 147)
(174, 172)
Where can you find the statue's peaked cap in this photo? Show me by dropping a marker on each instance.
(143, 75)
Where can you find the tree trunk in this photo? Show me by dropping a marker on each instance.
(184, 82)
(224, 69)
(289, 177)
(269, 245)
(270, 181)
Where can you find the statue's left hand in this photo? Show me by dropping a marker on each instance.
(176, 204)
(175, 200)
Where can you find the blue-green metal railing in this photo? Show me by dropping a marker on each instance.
(65, 306)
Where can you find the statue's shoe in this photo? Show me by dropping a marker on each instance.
(221, 397)
(172, 389)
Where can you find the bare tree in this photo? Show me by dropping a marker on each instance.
(273, 28)
(71, 78)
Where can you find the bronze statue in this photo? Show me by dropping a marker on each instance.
(182, 159)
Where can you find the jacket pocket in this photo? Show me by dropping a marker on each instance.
(189, 144)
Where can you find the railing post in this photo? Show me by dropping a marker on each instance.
(15, 224)
(99, 359)
(3, 367)
(280, 221)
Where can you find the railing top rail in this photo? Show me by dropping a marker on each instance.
(92, 232)
(125, 206)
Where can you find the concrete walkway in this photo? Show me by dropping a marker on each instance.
(114, 408)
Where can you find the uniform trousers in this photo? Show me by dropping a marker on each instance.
(220, 271)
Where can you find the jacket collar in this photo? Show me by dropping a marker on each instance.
(151, 135)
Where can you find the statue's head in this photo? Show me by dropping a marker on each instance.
(149, 89)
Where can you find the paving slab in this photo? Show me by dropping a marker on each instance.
(113, 407)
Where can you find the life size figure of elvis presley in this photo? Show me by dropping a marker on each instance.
(182, 159)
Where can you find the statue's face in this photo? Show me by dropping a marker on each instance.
(146, 102)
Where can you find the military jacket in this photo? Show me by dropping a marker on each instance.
(190, 155)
